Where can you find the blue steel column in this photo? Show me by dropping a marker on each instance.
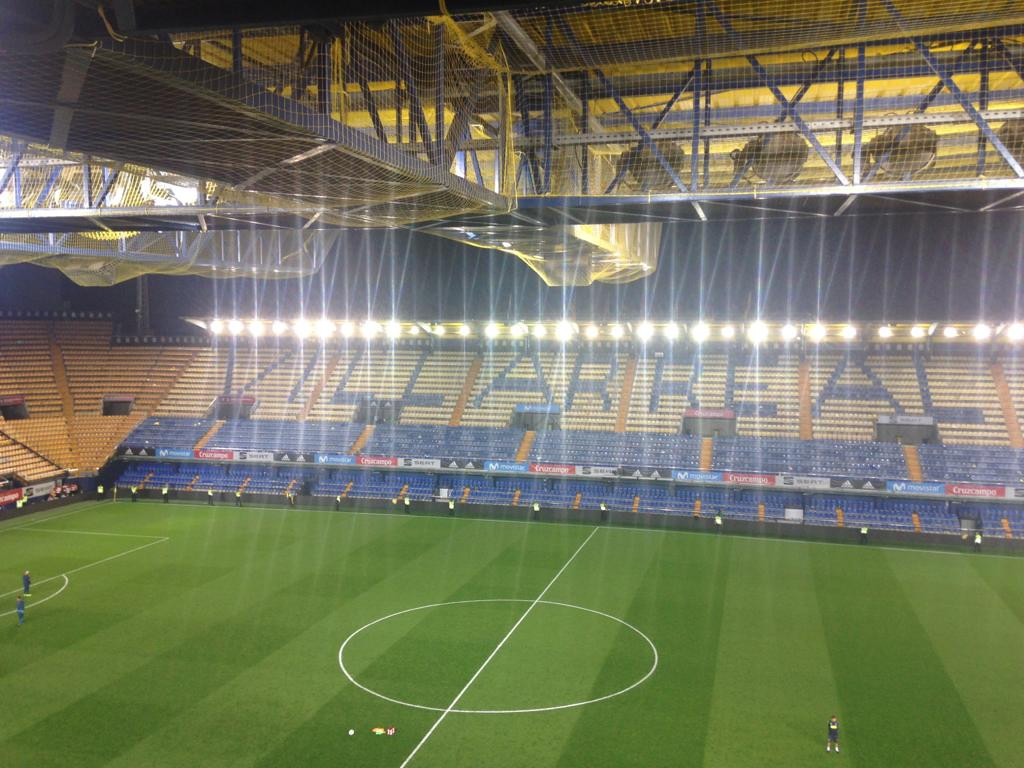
(983, 103)
(858, 115)
(698, 87)
(439, 153)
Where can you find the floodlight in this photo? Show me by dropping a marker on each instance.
(757, 332)
(592, 332)
(348, 328)
(539, 331)
(950, 332)
(700, 332)
(235, 326)
(671, 331)
(917, 332)
(885, 332)
(439, 330)
(465, 330)
(414, 330)
(393, 329)
(518, 330)
(256, 327)
(492, 330)
(817, 333)
(324, 328)
(1015, 332)
(788, 332)
(981, 332)
(644, 331)
(616, 331)
(279, 327)
(564, 330)
(506, 244)
(302, 328)
(216, 326)
(849, 332)
(371, 328)
(728, 332)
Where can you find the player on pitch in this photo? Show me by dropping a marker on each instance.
(833, 734)
(26, 584)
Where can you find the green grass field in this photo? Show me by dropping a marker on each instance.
(190, 636)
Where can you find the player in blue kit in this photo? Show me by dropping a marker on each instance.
(19, 606)
(26, 584)
(833, 734)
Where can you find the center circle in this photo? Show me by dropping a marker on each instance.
(638, 636)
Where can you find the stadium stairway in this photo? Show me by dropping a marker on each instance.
(525, 445)
(707, 452)
(917, 521)
(515, 497)
(364, 436)
(467, 390)
(913, 461)
(1007, 530)
(840, 518)
(205, 439)
(760, 512)
(1006, 403)
(806, 424)
(626, 394)
(318, 388)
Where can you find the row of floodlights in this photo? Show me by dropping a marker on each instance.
(756, 332)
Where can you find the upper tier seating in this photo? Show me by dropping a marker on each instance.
(969, 463)
(817, 457)
(266, 435)
(442, 442)
(26, 367)
(168, 432)
(612, 449)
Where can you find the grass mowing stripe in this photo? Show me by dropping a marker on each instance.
(897, 703)
(495, 651)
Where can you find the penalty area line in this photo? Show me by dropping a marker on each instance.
(498, 647)
(48, 597)
(92, 564)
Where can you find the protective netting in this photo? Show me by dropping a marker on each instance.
(720, 98)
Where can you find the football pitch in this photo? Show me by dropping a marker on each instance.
(178, 635)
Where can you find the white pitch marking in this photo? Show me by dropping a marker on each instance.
(531, 710)
(48, 597)
(90, 565)
(494, 653)
(94, 533)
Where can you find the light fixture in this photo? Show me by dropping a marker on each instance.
(917, 332)
(616, 331)
(564, 330)
(788, 332)
(1015, 332)
(817, 333)
(539, 331)
(348, 328)
(393, 329)
(256, 327)
(885, 332)
(757, 332)
(700, 332)
(506, 244)
(302, 328)
(325, 328)
(644, 331)
(371, 328)
(492, 331)
(981, 332)
(518, 330)
(216, 326)
(279, 327)
(950, 332)
(465, 330)
(439, 330)
(671, 331)
(728, 332)
(414, 330)
(235, 326)
(849, 332)
(591, 332)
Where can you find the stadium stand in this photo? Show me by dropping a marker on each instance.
(820, 457)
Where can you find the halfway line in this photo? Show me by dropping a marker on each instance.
(494, 653)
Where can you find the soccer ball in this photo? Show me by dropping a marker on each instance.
(351, 732)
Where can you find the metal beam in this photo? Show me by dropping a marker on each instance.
(12, 165)
(947, 80)
(72, 79)
(371, 107)
(108, 182)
